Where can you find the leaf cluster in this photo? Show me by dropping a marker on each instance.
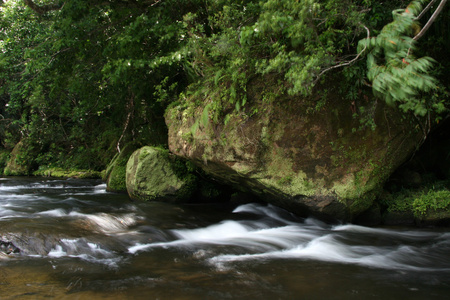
(293, 41)
(397, 75)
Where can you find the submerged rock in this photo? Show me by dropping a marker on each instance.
(310, 156)
(151, 174)
(8, 248)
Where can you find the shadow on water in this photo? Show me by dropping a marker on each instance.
(70, 239)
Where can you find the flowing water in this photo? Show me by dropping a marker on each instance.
(70, 239)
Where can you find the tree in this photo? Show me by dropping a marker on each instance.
(90, 76)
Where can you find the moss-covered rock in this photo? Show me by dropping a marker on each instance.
(22, 159)
(152, 174)
(115, 175)
(4, 157)
(308, 155)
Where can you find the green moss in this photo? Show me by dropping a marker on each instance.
(110, 167)
(279, 174)
(362, 203)
(287, 180)
(117, 179)
(4, 157)
(346, 188)
(153, 174)
(22, 159)
(115, 176)
(359, 188)
(62, 173)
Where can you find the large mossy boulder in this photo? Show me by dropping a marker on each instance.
(324, 155)
(153, 174)
(22, 159)
(4, 157)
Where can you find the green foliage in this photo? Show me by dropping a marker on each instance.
(432, 196)
(399, 202)
(85, 75)
(65, 173)
(396, 74)
(432, 200)
(291, 40)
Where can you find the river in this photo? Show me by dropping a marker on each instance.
(70, 239)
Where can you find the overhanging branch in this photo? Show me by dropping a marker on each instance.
(346, 63)
(431, 20)
(425, 10)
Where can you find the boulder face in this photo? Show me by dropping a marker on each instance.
(310, 156)
(150, 175)
(20, 161)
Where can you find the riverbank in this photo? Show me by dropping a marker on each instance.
(62, 173)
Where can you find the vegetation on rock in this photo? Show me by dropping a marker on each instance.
(306, 161)
(151, 174)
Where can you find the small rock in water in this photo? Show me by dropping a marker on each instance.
(8, 248)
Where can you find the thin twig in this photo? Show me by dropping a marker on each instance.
(346, 63)
(431, 20)
(425, 10)
(130, 108)
(156, 2)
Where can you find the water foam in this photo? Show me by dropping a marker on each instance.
(57, 212)
(108, 223)
(307, 240)
(88, 251)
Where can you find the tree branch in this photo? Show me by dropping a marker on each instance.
(431, 20)
(42, 9)
(346, 63)
(425, 10)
